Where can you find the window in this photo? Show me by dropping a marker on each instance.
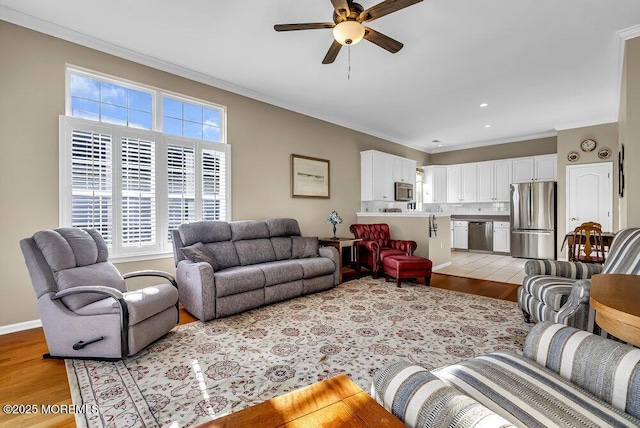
(130, 181)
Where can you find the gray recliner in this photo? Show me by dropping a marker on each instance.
(83, 302)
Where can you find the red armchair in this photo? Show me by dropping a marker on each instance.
(377, 244)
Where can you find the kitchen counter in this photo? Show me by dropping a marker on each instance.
(402, 214)
(480, 217)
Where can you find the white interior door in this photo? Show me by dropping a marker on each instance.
(590, 195)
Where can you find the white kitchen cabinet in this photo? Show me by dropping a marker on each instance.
(460, 239)
(493, 180)
(461, 183)
(435, 184)
(535, 168)
(501, 237)
(404, 170)
(378, 173)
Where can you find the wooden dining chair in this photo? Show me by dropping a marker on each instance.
(588, 245)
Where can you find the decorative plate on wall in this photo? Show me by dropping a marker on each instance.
(573, 156)
(604, 153)
(588, 145)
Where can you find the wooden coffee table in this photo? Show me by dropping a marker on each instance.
(336, 402)
(615, 300)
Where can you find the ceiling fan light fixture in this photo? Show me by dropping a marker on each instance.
(348, 32)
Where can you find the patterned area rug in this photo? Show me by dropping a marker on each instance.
(200, 371)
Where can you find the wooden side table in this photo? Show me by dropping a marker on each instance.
(615, 299)
(339, 244)
(336, 402)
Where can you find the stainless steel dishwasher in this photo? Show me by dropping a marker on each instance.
(481, 236)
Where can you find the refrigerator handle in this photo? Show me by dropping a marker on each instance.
(530, 205)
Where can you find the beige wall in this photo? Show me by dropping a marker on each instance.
(605, 135)
(629, 122)
(541, 146)
(262, 137)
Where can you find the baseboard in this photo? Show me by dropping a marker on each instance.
(13, 328)
(441, 266)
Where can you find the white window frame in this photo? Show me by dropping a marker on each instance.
(163, 247)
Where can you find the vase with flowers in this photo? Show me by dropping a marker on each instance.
(334, 219)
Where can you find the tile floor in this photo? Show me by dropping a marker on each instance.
(492, 267)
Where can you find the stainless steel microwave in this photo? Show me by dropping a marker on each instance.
(404, 191)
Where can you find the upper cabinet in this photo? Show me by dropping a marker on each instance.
(378, 173)
(435, 184)
(461, 183)
(493, 180)
(535, 168)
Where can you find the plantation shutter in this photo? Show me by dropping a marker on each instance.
(91, 181)
(138, 200)
(214, 186)
(181, 185)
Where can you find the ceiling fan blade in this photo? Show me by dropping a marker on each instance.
(312, 26)
(385, 42)
(385, 8)
(332, 53)
(341, 7)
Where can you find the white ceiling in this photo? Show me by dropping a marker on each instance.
(541, 65)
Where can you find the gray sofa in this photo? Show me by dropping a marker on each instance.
(566, 378)
(224, 268)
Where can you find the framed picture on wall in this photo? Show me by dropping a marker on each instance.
(621, 171)
(309, 177)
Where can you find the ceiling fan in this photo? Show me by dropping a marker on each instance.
(348, 28)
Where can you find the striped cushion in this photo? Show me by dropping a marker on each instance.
(420, 399)
(527, 394)
(573, 270)
(605, 368)
(553, 291)
(624, 256)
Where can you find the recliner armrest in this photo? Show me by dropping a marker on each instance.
(97, 289)
(150, 272)
(575, 270)
(407, 246)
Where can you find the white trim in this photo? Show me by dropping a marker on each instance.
(576, 125)
(20, 326)
(69, 35)
(623, 36)
(492, 142)
(440, 266)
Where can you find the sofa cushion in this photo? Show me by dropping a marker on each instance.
(283, 227)
(282, 247)
(316, 266)
(205, 232)
(224, 253)
(281, 271)
(553, 291)
(528, 394)
(248, 229)
(610, 371)
(199, 252)
(303, 247)
(238, 279)
(421, 399)
(254, 251)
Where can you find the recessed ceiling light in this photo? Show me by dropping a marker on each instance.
(487, 126)
(484, 105)
(440, 145)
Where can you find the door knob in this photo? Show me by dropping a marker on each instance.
(574, 219)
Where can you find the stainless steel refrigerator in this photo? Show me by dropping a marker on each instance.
(533, 220)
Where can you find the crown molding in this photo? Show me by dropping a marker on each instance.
(494, 142)
(64, 33)
(577, 125)
(623, 36)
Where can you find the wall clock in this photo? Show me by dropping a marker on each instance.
(588, 145)
(573, 156)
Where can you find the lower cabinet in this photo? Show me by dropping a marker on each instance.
(460, 238)
(501, 237)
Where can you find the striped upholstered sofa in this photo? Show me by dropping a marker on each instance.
(566, 378)
(559, 291)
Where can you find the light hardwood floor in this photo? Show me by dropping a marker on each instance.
(28, 379)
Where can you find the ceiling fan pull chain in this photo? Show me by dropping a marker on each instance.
(349, 55)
